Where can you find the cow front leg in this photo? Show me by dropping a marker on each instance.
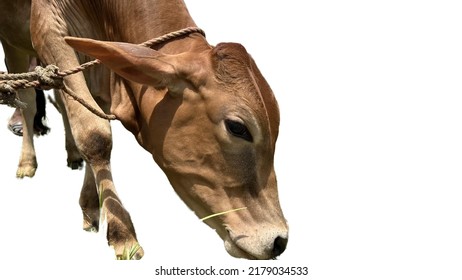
(93, 139)
(120, 231)
(28, 161)
(89, 202)
(18, 62)
(92, 135)
(74, 159)
(99, 200)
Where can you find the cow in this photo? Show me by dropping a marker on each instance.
(205, 113)
(17, 46)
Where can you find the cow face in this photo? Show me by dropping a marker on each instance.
(212, 126)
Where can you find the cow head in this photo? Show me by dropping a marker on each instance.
(211, 125)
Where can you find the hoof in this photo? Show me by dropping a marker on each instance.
(130, 252)
(90, 227)
(41, 130)
(91, 220)
(16, 128)
(75, 164)
(26, 171)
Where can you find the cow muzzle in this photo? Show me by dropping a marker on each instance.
(267, 244)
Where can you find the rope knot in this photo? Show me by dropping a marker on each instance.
(49, 77)
(8, 96)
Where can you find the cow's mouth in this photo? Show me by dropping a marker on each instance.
(235, 250)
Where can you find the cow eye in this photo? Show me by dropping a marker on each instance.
(238, 129)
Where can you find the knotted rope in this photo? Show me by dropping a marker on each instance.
(45, 78)
(51, 77)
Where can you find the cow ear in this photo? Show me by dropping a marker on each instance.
(136, 63)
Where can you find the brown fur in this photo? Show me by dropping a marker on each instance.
(175, 99)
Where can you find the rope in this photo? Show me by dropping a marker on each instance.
(51, 77)
(172, 35)
(95, 111)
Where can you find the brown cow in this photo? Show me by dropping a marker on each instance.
(15, 38)
(205, 113)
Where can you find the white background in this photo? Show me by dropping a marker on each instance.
(369, 157)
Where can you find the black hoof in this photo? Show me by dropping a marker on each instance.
(75, 164)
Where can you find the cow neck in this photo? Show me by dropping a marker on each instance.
(140, 22)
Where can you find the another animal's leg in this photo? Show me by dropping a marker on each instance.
(15, 122)
(40, 102)
(74, 159)
(39, 127)
(17, 61)
(89, 202)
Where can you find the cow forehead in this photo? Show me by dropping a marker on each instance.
(239, 75)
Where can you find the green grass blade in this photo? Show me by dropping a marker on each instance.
(222, 213)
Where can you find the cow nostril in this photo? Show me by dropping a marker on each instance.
(280, 244)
